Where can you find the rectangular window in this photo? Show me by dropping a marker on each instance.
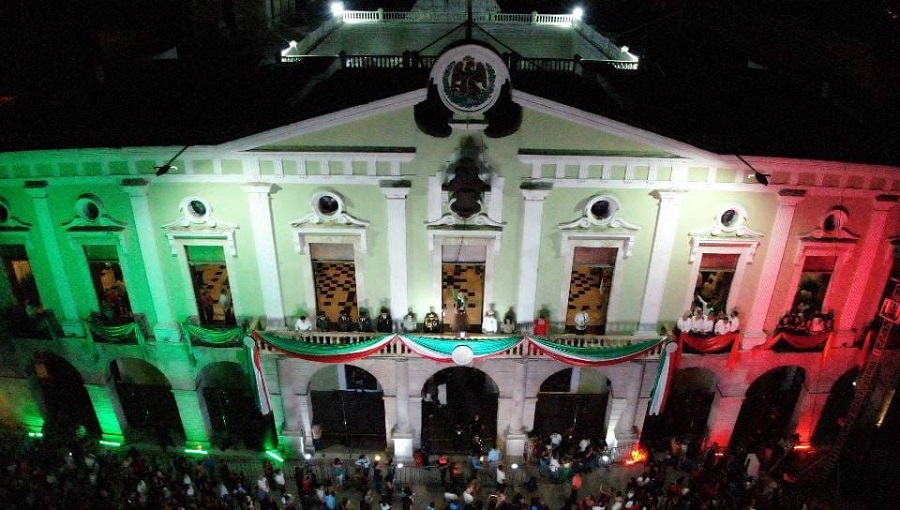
(813, 288)
(18, 271)
(590, 285)
(463, 272)
(334, 274)
(212, 291)
(714, 280)
(109, 283)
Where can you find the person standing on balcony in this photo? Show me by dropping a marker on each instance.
(489, 323)
(226, 304)
(582, 319)
(303, 324)
(461, 318)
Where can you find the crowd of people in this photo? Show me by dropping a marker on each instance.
(80, 475)
(801, 322)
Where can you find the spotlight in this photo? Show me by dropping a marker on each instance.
(337, 9)
(168, 166)
(577, 13)
(759, 176)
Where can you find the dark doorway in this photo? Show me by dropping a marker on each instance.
(109, 282)
(835, 409)
(686, 412)
(230, 405)
(765, 415)
(561, 407)
(451, 399)
(147, 402)
(348, 403)
(66, 401)
(590, 286)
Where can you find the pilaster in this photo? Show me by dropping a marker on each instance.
(625, 426)
(403, 433)
(70, 321)
(165, 329)
(660, 259)
(807, 412)
(260, 195)
(789, 199)
(866, 255)
(109, 411)
(515, 436)
(193, 418)
(723, 414)
(396, 208)
(530, 251)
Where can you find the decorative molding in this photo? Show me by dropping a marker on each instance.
(698, 243)
(200, 229)
(588, 219)
(625, 241)
(318, 216)
(493, 233)
(452, 219)
(335, 223)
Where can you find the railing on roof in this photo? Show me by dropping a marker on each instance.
(525, 349)
(455, 17)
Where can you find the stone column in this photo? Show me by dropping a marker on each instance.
(165, 329)
(660, 259)
(193, 418)
(396, 209)
(529, 253)
(807, 412)
(515, 436)
(292, 427)
(777, 240)
(109, 411)
(723, 415)
(259, 195)
(625, 426)
(70, 321)
(866, 255)
(403, 433)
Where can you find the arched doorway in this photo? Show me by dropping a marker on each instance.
(836, 408)
(230, 404)
(348, 403)
(686, 412)
(573, 399)
(66, 401)
(459, 403)
(765, 415)
(147, 402)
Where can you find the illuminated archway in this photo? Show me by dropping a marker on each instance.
(451, 400)
(348, 403)
(687, 408)
(230, 402)
(147, 402)
(573, 398)
(769, 402)
(67, 404)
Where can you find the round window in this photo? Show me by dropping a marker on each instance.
(88, 208)
(197, 208)
(830, 224)
(601, 209)
(328, 205)
(730, 218)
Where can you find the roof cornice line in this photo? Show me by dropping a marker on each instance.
(595, 121)
(326, 121)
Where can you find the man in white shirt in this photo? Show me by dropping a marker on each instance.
(708, 324)
(721, 325)
(582, 319)
(684, 323)
(734, 324)
(501, 478)
(303, 324)
(489, 324)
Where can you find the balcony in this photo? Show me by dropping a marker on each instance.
(35, 325)
(393, 345)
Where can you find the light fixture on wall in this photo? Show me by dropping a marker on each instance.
(759, 176)
(164, 169)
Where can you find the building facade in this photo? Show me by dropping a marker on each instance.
(407, 204)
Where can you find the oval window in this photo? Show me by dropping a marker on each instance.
(88, 209)
(830, 224)
(328, 205)
(601, 209)
(729, 218)
(197, 208)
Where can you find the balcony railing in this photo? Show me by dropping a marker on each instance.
(455, 17)
(395, 347)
